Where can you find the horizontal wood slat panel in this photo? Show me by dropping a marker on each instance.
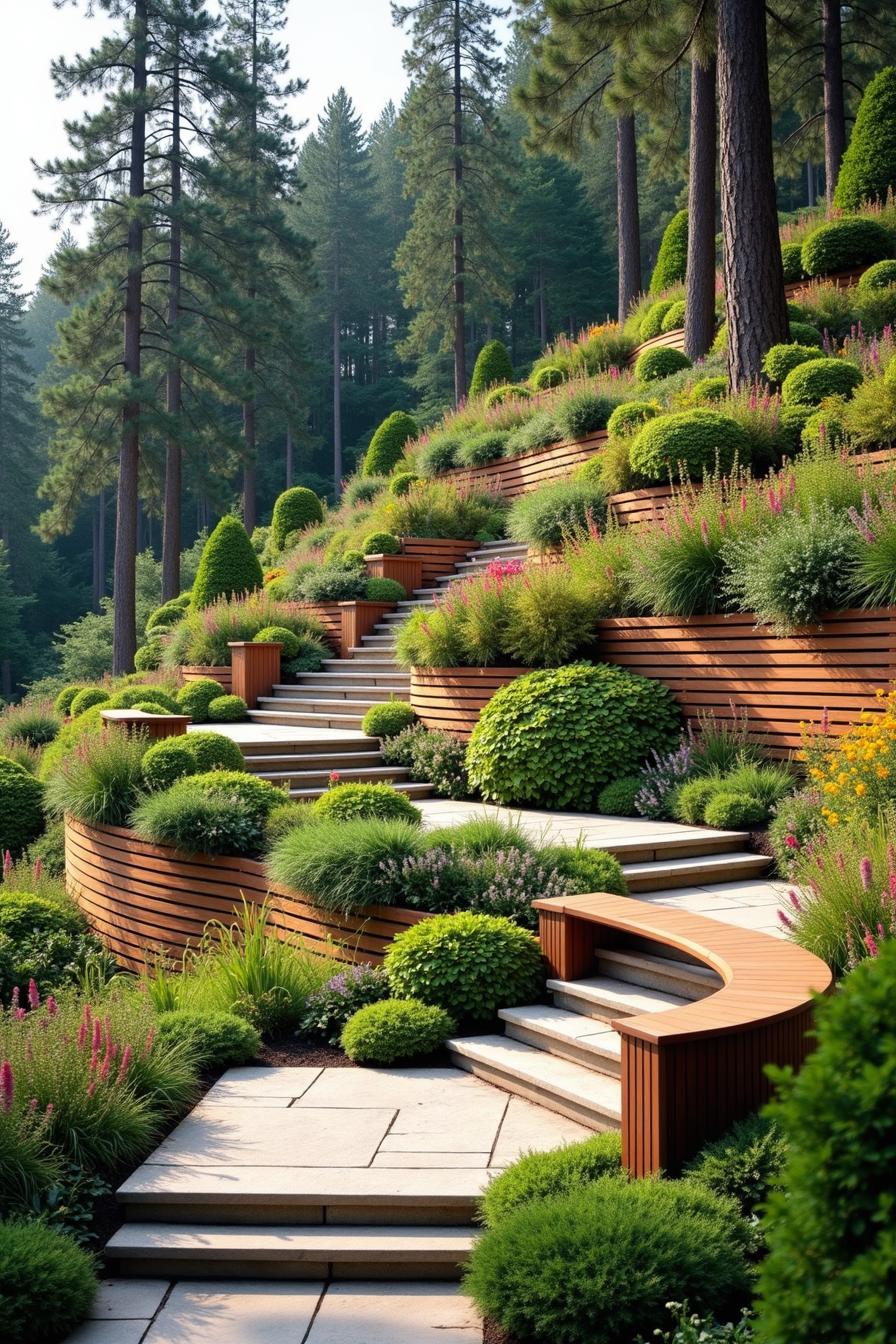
(451, 698)
(667, 340)
(223, 675)
(515, 476)
(842, 279)
(438, 556)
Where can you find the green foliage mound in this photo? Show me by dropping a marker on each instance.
(395, 1029)
(167, 761)
(401, 483)
(561, 1171)
(830, 1228)
(350, 802)
(879, 276)
(809, 383)
(388, 443)
(727, 810)
(388, 719)
(195, 697)
(652, 321)
(384, 590)
(148, 657)
(842, 244)
(221, 812)
(694, 442)
(23, 914)
(781, 359)
(628, 418)
(214, 1040)
(672, 258)
(294, 510)
(21, 807)
(555, 738)
(63, 702)
(744, 1165)
(803, 333)
(618, 798)
(168, 614)
(338, 865)
(86, 699)
(214, 751)
(130, 696)
(545, 517)
(710, 389)
(548, 376)
(674, 319)
(792, 259)
(868, 170)
(471, 965)
(506, 392)
(278, 634)
(659, 363)
(227, 709)
(598, 1265)
(492, 366)
(228, 565)
(381, 543)
(47, 1283)
(585, 870)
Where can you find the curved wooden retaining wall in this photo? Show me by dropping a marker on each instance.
(452, 698)
(515, 476)
(142, 899)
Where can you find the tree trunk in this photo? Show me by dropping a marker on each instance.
(124, 636)
(754, 278)
(289, 457)
(458, 285)
(101, 545)
(627, 218)
(834, 106)
(811, 183)
(171, 514)
(700, 298)
(249, 358)
(337, 396)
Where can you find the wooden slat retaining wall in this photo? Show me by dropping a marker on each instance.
(667, 340)
(142, 899)
(515, 476)
(451, 698)
(437, 555)
(223, 675)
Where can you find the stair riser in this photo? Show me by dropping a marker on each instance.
(584, 1007)
(564, 1050)
(312, 720)
(397, 1213)
(664, 880)
(309, 779)
(379, 656)
(592, 1118)
(359, 761)
(312, 694)
(245, 1267)
(399, 683)
(650, 979)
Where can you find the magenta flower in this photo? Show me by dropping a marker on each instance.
(33, 996)
(794, 900)
(865, 874)
(791, 842)
(7, 865)
(52, 1006)
(869, 940)
(785, 920)
(7, 1086)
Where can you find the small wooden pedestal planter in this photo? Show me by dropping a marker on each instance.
(405, 569)
(222, 675)
(452, 698)
(346, 623)
(155, 726)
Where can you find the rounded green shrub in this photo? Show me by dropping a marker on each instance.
(167, 615)
(86, 699)
(388, 719)
(868, 169)
(47, 1283)
(492, 366)
(617, 799)
(381, 543)
(824, 429)
(744, 1164)
(214, 1040)
(554, 738)
(167, 761)
(672, 258)
(674, 319)
(195, 697)
(21, 807)
(150, 707)
(362, 490)
(879, 276)
(598, 1265)
(23, 915)
(659, 363)
(692, 796)
(471, 965)
(803, 333)
(294, 510)
(781, 359)
(695, 442)
(560, 1171)
(63, 702)
(352, 802)
(401, 483)
(479, 449)
(148, 657)
(548, 376)
(792, 259)
(227, 709)
(214, 751)
(129, 696)
(628, 418)
(507, 392)
(585, 870)
(710, 389)
(284, 817)
(395, 1029)
(729, 811)
(388, 443)
(278, 634)
(810, 383)
(385, 590)
(652, 322)
(228, 565)
(844, 243)
(547, 516)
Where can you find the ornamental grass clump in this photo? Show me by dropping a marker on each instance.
(338, 865)
(32, 722)
(220, 812)
(543, 518)
(101, 781)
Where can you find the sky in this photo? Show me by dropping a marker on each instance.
(331, 42)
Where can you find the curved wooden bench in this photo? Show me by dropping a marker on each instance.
(689, 1073)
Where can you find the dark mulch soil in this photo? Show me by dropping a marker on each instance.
(293, 1052)
(493, 1334)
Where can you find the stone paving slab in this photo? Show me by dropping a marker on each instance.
(253, 1313)
(239, 1136)
(110, 1332)
(128, 1299)
(390, 1313)
(428, 1159)
(252, 1081)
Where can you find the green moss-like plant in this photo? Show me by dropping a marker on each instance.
(811, 382)
(628, 418)
(228, 565)
(792, 260)
(227, 709)
(295, 510)
(868, 170)
(560, 1171)
(352, 802)
(389, 719)
(47, 1283)
(844, 243)
(659, 363)
(492, 366)
(21, 810)
(694, 441)
(388, 443)
(395, 1029)
(195, 697)
(674, 319)
(86, 699)
(780, 359)
(672, 258)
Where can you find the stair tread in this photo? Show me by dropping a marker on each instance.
(316, 1186)
(624, 999)
(282, 1242)
(563, 1025)
(413, 790)
(571, 1082)
(680, 970)
(342, 672)
(696, 863)
(317, 761)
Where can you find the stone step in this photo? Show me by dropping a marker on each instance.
(605, 998)
(304, 794)
(299, 776)
(347, 674)
(570, 1089)
(378, 642)
(355, 700)
(677, 842)
(656, 972)
(294, 1195)
(352, 690)
(198, 1250)
(698, 870)
(382, 655)
(566, 1034)
(318, 750)
(289, 719)
(294, 760)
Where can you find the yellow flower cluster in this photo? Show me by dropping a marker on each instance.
(855, 772)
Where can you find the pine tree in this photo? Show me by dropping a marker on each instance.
(17, 407)
(13, 642)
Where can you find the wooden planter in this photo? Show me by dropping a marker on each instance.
(256, 669)
(437, 555)
(726, 665)
(223, 675)
(143, 899)
(451, 698)
(404, 569)
(153, 726)
(842, 279)
(667, 340)
(329, 615)
(515, 476)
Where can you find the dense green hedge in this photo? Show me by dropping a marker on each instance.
(295, 510)
(228, 566)
(672, 258)
(693, 440)
(47, 1283)
(388, 443)
(21, 810)
(868, 170)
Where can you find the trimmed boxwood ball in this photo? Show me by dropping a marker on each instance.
(868, 169)
(810, 383)
(696, 442)
(471, 965)
(714, 388)
(792, 260)
(385, 590)
(780, 359)
(618, 798)
(214, 751)
(548, 376)
(692, 796)
(401, 483)
(148, 657)
(629, 417)
(47, 1283)
(730, 811)
(585, 870)
(879, 276)
(492, 366)
(278, 634)
(561, 1171)
(129, 696)
(150, 707)
(842, 244)
(381, 543)
(168, 614)
(63, 702)
(395, 1029)
(805, 334)
(351, 802)
(507, 392)
(21, 810)
(228, 565)
(389, 719)
(674, 319)
(554, 738)
(195, 697)
(167, 761)
(659, 363)
(215, 1040)
(652, 322)
(294, 510)
(227, 709)
(86, 699)
(672, 257)
(388, 443)
(598, 1265)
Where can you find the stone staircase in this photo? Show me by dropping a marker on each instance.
(340, 695)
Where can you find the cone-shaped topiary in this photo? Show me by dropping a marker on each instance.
(388, 443)
(672, 258)
(492, 366)
(229, 565)
(295, 510)
(868, 170)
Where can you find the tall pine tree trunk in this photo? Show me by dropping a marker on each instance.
(627, 217)
(754, 276)
(289, 457)
(700, 299)
(834, 106)
(811, 183)
(458, 284)
(249, 358)
(337, 395)
(124, 636)
(171, 516)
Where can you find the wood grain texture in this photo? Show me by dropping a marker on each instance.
(452, 698)
(223, 675)
(515, 476)
(153, 726)
(437, 555)
(256, 669)
(404, 569)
